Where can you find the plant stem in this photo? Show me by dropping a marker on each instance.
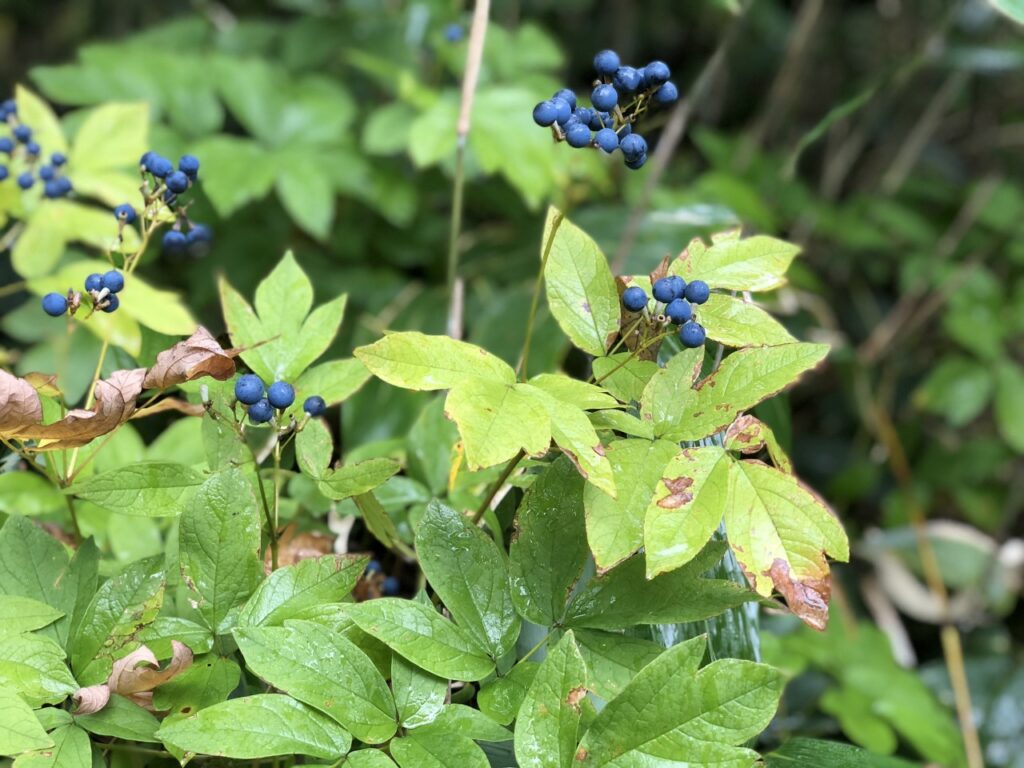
(493, 491)
(10, 288)
(90, 398)
(74, 518)
(535, 648)
(277, 504)
(524, 358)
(653, 340)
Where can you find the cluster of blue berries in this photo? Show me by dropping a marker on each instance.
(102, 290)
(621, 96)
(262, 400)
(676, 297)
(21, 148)
(164, 182)
(389, 585)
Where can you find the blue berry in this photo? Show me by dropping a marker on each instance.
(54, 304)
(314, 405)
(177, 182)
(281, 394)
(563, 110)
(638, 163)
(125, 213)
(692, 334)
(633, 146)
(52, 189)
(573, 120)
(159, 166)
(453, 33)
(94, 282)
(697, 292)
(249, 389)
(600, 120)
(679, 311)
(64, 184)
(9, 107)
(666, 94)
(656, 73)
(545, 113)
(373, 567)
(607, 139)
(578, 136)
(4, 173)
(634, 299)
(643, 78)
(664, 290)
(174, 241)
(198, 235)
(390, 586)
(584, 115)
(146, 159)
(22, 133)
(113, 281)
(6, 145)
(678, 285)
(58, 159)
(568, 96)
(260, 412)
(26, 180)
(625, 130)
(627, 80)
(604, 97)
(111, 303)
(189, 165)
(170, 197)
(33, 148)
(46, 173)
(606, 62)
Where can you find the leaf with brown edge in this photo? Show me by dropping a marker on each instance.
(782, 533)
(197, 356)
(19, 404)
(748, 435)
(140, 671)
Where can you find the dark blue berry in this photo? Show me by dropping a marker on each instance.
(664, 290)
(314, 405)
(46, 173)
(678, 285)
(638, 163)
(170, 197)
(9, 107)
(111, 303)
(545, 113)
(656, 73)
(125, 213)
(113, 281)
(260, 412)
(627, 80)
(563, 111)
(573, 120)
(22, 133)
(26, 180)
(4, 173)
(146, 159)
(199, 235)
(625, 130)
(373, 567)
(33, 148)
(177, 182)
(58, 159)
(666, 94)
(64, 183)
(643, 78)
(390, 586)
(159, 166)
(679, 311)
(600, 120)
(94, 282)
(281, 394)
(633, 146)
(604, 97)
(6, 145)
(249, 389)
(568, 96)
(692, 334)
(52, 189)
(453, 33)
(607, 139)
(578, 136)
(606, 62)
(584, 115)
(54, 304)
(634, 299)
(189, 165)
(174, 241)
(698, 291)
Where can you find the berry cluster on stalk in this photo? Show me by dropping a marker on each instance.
(262, 402)
(24, 162)
(673, 301)
(622, 95)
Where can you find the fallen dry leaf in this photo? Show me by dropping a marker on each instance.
(90, 700)
(293, 547)
(134, 677)
(197, 356)
(19, 403)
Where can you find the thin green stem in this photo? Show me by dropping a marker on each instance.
(650, 342)
(537, 647)
(524, 358)
(70, 502)
(89, 400)
(10, 288)
(493, 490)
(277, 504)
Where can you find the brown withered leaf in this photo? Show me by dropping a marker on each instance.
(44, 383)
(170, 404)
(19, 404)
(197, 356)
(91, 700)
(134, 677)
(294, 547)
(748, 435)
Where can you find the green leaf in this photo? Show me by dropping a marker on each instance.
(781, 532)
(414, 360)
(71, 749)
(33, 667)
(615, 527)
(23, 614)
(26, 493)
(624, 596)
(289, 591)
(210, 680)
(501, 698)
(356, 479)
(35, 112)
(378, 522)
(461, 720)
(20, 731)
(623, 375)
(419, 695)
(219, 540)
(548, 724)
(686, 509)
(659, 403)
(738, 323)
(253, 727)
(613, 659)
(367, 758)
(325, 671)
(580, 288)
(620, 421)
(1009, 395)
(744, 379)
(163, 629)
(573, 391)
(549, 550)
(814, 753)
(334, 381)
(52, 718)
(111, 623)
(1011, 9)
(957, 389)
(305, 190)
(113, 135)
(121, 719)
(145, 489)
(314, 448)
(497, 420)
(469, 573)
(422, 636)
(756, 263)
(32, 565)
(235, 172)
(671, 712)
(437, 750)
